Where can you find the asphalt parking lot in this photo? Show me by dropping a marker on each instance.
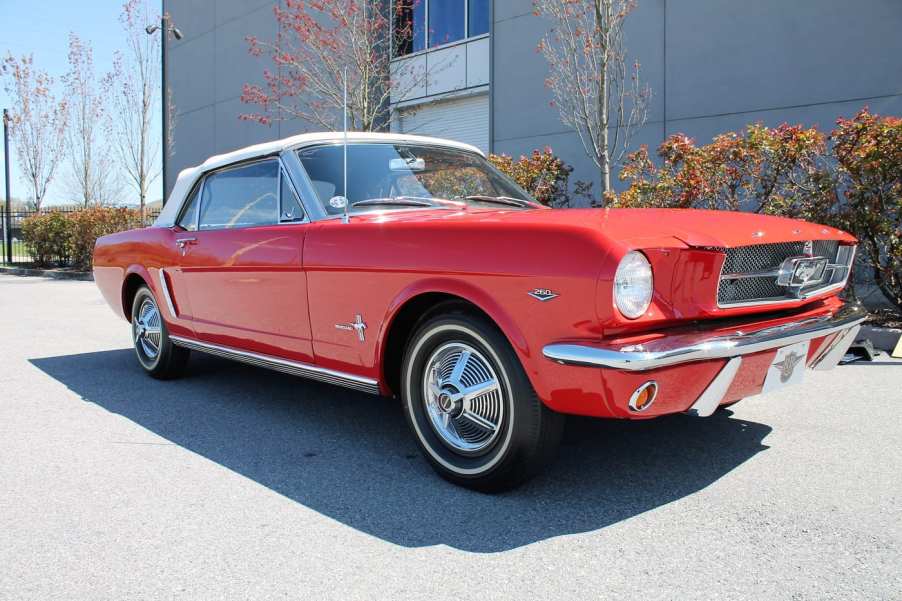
(237, 483)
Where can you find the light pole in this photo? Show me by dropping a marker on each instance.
(167, 27)
(7, 224)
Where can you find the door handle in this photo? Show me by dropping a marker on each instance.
(184, 242)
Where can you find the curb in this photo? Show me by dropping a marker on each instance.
(82, 276)
(884, 339)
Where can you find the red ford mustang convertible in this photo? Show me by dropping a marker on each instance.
(409, 266)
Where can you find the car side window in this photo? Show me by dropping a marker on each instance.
(242, 196)
(291, 209)
(188, 220)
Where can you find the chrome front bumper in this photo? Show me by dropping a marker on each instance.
(700, 346)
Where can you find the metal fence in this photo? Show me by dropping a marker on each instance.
(14, 249)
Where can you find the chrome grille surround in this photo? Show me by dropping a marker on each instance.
(749, 275)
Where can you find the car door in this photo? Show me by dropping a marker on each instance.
(242, 264)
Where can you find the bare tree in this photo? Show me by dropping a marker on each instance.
(92, 172)
(315, 42)
(37, 123)
(136, 99)
(595, 91)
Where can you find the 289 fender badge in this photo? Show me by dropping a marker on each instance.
(543, 294)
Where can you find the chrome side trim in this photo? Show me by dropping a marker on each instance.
(711, 398)
(831, 356)
(295, 368)
(166, 297)
(701, 345)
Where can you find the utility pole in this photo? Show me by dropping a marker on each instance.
(7, 224)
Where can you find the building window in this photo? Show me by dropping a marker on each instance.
(446, 21)
(422, 24)
(410, 26)
(477, 17)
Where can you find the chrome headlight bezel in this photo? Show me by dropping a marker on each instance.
(633, 285)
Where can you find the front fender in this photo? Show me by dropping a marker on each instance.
(461, 289)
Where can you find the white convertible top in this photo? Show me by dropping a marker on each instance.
(188, 176)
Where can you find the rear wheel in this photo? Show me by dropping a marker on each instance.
(157, 355)
(471, 406)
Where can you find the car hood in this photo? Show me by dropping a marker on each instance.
(706, 228)
(641, 227)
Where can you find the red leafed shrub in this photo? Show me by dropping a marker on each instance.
(542, 174)
(868, 154)
(777, 171)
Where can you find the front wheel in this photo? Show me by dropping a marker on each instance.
(472, 407)
(157, 355)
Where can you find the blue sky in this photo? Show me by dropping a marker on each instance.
(42, 29)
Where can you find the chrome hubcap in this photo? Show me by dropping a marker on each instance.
(463, 399)
(147, 329)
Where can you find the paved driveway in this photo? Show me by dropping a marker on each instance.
(240, 483)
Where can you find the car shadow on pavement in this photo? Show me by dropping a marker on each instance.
(350, 457)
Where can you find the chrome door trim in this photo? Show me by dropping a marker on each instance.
(295, 368)
(166, 296)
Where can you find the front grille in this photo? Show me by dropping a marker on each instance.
(750, 273)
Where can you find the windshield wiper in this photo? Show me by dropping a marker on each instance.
(501, 200)
(403, 201)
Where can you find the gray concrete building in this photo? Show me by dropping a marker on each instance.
(712, 65)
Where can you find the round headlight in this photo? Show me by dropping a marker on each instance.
(633, 285)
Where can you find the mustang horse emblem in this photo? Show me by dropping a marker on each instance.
(788, 366)
(805, 271)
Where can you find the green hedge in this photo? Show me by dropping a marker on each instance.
(67, 238)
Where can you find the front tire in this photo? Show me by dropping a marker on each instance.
(471, 406)
(156, 353)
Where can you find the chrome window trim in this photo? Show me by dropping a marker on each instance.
(804, 296)
(301, 184)
(202, 180)
(296, 368)
(232, 167)
(196, 187)
(284, 173)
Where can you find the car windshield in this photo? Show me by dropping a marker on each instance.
(385, 176)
